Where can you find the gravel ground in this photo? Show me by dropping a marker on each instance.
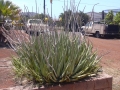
(110, 49)
(6, 77)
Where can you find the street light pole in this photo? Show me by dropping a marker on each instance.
(93, 10)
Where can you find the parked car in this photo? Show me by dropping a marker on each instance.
(100, 29)
(36, 25)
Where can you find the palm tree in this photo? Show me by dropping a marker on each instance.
(8, 10)
(109, 18)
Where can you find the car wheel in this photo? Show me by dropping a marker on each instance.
(83, 32)
(97, 34)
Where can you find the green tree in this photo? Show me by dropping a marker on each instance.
(9, 10)
(109, 18)
(73, 20)
(81, 18)
(85, 18)
(62, 22)
(117, 19)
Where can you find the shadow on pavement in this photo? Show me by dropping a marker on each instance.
(105, 37)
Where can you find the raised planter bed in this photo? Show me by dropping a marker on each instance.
(101, 82)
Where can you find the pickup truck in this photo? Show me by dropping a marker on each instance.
(36, 25)
(100, 29)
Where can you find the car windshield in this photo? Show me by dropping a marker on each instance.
(35, 21)
(87, 24)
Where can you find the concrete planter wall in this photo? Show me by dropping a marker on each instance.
(102, 82)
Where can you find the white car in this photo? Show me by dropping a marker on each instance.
(36, 25)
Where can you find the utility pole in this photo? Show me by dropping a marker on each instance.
(44, 7)
(36, 5)
(51, 7)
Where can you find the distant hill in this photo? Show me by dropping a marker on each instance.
(30, 14)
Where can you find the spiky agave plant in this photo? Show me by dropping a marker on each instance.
(55, 58)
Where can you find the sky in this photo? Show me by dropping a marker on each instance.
(58, 5)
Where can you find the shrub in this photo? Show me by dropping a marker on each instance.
(55, 58)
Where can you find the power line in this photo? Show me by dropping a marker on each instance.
(89, 4)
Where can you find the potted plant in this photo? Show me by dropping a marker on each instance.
(55, 59)
(58, 61)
